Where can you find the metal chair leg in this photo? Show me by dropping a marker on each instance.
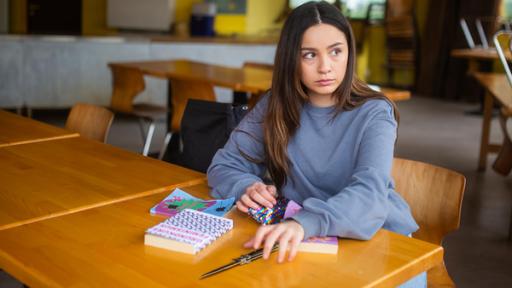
(149, 137)
(167, 139)
(510, 228)
(142, 123)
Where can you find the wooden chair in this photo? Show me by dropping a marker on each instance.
(435, 196)
(182, 91)
(402, 38)
(90, 121)
(270, 67)
(127, 84)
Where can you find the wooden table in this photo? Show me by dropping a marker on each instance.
(15, 130)
(497, 87)
(48, 179)
(104, 247)
(248, 79)
(475, 55)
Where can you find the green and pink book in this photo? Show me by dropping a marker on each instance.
(325, 245)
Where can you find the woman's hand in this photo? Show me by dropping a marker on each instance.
(257, 195)
(289, 234)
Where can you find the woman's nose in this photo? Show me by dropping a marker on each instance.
(324, 65)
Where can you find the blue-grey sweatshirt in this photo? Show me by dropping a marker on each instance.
(340, 169)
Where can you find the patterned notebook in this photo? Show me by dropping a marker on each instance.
(189, 231)
(180, 200)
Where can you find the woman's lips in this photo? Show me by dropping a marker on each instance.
(325, 82)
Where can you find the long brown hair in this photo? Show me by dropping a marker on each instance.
(288, 94)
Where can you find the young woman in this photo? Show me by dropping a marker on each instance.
(325, 138)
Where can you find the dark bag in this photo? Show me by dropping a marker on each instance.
(205, 128)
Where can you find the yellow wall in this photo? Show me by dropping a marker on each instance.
(261, 15)
(184, 9)
(94, 18)
(226, 24)
(18, 17)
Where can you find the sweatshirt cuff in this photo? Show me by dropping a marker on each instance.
(310, 222)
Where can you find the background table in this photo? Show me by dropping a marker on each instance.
(15, 130)
(47, 179)
(247, 79)
(497, 87)
(103, 247)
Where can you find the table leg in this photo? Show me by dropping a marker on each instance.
(486, 125)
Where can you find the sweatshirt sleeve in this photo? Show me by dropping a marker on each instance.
(360, 209)
(232, 169)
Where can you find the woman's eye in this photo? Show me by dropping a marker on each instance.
(335, 52)
(308, 55)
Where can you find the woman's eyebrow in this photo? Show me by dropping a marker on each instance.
(334, 45)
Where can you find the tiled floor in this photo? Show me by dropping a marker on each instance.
(438, 132)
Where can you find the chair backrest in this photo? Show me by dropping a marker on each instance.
(503, 43)
(258, 65)
(182, 91)
(90, 121)
(434, 195)
(127, 83)
(402, 37)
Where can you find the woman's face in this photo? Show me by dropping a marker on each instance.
(323, 58)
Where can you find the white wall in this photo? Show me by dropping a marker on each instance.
(57, 72)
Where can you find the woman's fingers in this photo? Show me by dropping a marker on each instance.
(294, 247)
(259, 194)
(261, 234)
(249, 202)
(271, 239)
(262, 200)
(272, 189)
(284, 240)
(242, 207)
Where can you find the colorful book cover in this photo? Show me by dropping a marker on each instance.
(179, 200)
(328, 244)
(189, 231)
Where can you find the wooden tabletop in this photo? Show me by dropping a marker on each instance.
(247, 79)
(498, 85)
(15, 130)
(240, 79)
(396, 94)
(475, 53)
(104, 247)
(47, 179)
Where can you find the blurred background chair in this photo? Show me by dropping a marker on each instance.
(242, 98)
(402, 39)
(182, 91)
(503, 164)
(434, 195)
(90, 121)
(127, 84)
(484, 27)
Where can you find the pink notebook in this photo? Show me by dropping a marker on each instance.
(326, 245)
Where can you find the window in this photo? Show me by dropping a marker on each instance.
(354, 9)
